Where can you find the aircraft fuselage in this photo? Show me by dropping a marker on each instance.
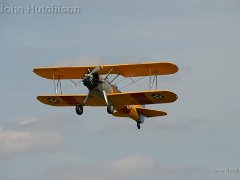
(122, 111)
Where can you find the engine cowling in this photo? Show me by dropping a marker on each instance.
(91, 80)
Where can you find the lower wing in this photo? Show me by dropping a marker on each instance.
(141, 98)
(70, 100)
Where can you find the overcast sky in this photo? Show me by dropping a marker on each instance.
(198, 139)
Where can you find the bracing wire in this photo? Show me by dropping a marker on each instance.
(132, 82)
(120, 81)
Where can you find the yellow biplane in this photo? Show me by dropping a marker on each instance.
(102, 92)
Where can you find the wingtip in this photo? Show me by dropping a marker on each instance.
(35, 70)
(175, 68)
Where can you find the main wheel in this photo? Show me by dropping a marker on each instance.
(79, 109)
(110, 108)
(138, 125)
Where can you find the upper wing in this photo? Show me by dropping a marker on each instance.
(126, 70)
(70, 100)
(140, 98)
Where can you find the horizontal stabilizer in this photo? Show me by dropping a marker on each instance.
(150, 112)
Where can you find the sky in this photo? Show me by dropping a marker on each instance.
(198, 139)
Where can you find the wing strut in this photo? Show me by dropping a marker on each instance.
(156, 83)
(151, 82)
(150, 78)
(57, 86)
(109, 73)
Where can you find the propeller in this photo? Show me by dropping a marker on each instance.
(96, 69)
(90, 73)
(91, 78)
(88, 78)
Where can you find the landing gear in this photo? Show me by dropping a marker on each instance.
(110, 108)
(138, 125)
(79, 109)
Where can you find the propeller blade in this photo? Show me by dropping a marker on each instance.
(96, 69)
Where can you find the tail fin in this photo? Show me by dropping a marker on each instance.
(150, 113)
